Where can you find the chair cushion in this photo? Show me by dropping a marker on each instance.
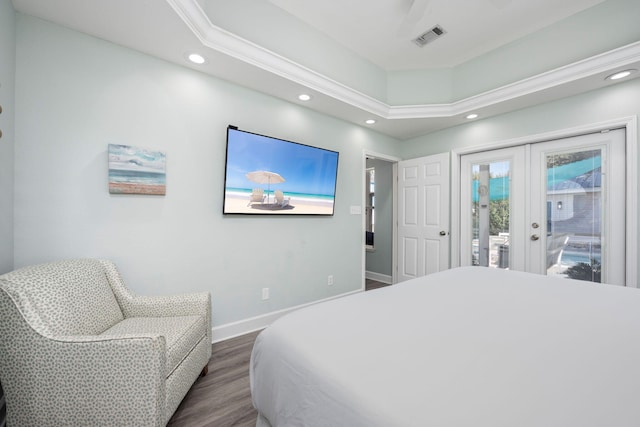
(182, 334)
(71, 297)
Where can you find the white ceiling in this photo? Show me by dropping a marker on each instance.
(382, 31)
(376, 30)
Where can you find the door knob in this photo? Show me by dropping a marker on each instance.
(443, 233)
(534, 237)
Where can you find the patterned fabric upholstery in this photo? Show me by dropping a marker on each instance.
(65, 298)
(181, 333)
(144, 306)
(72, 354)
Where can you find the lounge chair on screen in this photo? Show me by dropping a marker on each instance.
(257, 196)
(280, 199)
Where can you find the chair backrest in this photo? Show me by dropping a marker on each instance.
(71, 297)
(279, 196)
(257, 194)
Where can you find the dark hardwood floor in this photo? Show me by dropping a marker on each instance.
(371, 284)
(222, 398)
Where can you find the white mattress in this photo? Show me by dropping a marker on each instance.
(471, 346)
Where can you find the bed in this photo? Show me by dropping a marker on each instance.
(471, 346)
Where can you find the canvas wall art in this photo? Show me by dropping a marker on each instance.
(134, 170)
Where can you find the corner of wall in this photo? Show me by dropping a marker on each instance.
(7, 125)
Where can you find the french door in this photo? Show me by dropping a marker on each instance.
(554, 208)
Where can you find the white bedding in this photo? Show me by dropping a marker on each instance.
(470, 346)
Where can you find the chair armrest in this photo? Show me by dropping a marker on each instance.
(155, 306)
(167, 305)
(194, 304)
(85, 380)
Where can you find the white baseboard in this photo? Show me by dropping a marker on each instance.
(378, 277)
(245, 326)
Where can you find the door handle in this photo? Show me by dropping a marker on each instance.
(443, 233)
(535, 237)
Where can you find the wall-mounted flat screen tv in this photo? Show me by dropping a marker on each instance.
(271, 176)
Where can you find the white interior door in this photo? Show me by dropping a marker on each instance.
(555, 208)
(423, 223)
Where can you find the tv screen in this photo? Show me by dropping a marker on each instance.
(267, 176)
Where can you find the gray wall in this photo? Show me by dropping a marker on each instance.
(380, 260)
(76, 94)
(7, 76)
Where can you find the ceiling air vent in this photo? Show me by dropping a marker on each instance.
(429, 36)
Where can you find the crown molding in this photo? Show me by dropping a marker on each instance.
(223, 41)
(603, 63)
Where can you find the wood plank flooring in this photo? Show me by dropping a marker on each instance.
(222, 398)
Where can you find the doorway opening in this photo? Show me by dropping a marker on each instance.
(378, 222)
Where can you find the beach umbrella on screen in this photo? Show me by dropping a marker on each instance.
(265, 177)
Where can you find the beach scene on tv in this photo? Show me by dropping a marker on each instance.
(272, 176)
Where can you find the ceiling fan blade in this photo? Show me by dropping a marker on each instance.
(416, 11)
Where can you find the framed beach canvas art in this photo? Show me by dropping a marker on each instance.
(134, 170)
(271, 176)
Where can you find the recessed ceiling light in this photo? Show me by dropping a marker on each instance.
(620, 75)
(472, 116)
(369, 121)
(304, 97)
(196, 58)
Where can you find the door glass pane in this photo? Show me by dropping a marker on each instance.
(370, 216)
(490, 214)
(574, 214)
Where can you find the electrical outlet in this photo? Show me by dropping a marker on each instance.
(265, 293)
(330, 280)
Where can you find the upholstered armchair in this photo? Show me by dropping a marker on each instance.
(77, 348)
